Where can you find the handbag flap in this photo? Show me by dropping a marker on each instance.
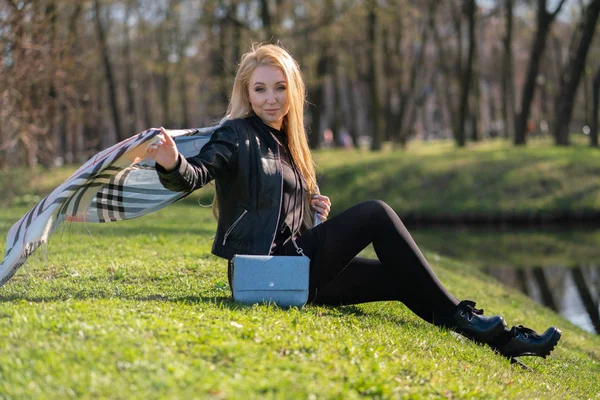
(270, 272)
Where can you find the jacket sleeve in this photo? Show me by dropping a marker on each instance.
(214, 158)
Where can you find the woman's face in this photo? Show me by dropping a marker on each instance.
(268, 91)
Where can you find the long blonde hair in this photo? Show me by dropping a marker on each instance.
(293, 121)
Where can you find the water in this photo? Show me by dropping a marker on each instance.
(570, 291)
(558, 267)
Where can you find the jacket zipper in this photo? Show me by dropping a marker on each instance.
(233, 226)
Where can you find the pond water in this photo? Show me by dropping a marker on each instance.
(558, 267)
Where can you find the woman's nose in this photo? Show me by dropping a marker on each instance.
(271, 97)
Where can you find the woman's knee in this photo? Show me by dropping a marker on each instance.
(377, 210)
(377, 206)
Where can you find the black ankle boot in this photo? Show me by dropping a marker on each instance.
(526, 342)
(470, 322)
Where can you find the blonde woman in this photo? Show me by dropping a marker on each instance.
(267, 194)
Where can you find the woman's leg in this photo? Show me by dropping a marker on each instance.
(364, 280)
(401, 272)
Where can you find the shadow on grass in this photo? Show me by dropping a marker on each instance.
(222, 301)
(128, 231)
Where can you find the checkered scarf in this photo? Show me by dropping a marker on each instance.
(116, 184)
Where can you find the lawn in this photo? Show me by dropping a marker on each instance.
(437, 180)
(140, 309)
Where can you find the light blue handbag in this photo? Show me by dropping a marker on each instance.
(282, 280)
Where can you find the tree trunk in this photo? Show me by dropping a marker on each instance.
(224, 86)
(323, 72)
(354, 106)
(181, 43)
(571, 76)
(508, 84)
(444, 67)
(374, 77)
(544, 21)
(408, 98)
(265, 14)
(314, 134)
(236, 50)
(52, 144)
(146, 103)
(459, 132)
(595, 109)
(73, 48)
(475, 103)
(337, 114)
(398, 76)
(165, 45)
(129, 79)
(164, 89)
(390, 48)
(108, 71)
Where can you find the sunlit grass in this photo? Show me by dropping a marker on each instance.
(141, 309)
(437, 179)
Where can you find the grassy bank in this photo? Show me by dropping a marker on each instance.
(140, 309)
(487, 181)
(429, 181)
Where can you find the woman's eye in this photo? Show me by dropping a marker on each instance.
(259, 89)
(280, 88)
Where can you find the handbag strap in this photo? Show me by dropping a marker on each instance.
(298, 248)
(298, 178)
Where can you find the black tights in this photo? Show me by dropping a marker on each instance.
(400, 271)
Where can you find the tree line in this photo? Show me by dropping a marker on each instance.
(79, 76)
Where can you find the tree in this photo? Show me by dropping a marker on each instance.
(404, 85)
(595, 109)
(128, 67)
(266, 20)
(565, 98)
(324, 70)
(449, 59)
(373, 76)
(459, 131)
(508, 85)
(544, 22)
(108, 71)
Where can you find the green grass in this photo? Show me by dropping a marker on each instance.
(437, 179)
(429, 179)
(140, 309)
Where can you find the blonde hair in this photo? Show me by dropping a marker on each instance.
(293, 121)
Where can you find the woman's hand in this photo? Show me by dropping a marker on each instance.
(322, 205)
(164, 152)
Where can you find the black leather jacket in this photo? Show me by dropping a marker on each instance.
(243, 158)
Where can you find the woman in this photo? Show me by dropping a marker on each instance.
(266, 192)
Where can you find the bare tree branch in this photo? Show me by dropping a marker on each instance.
(555, 13)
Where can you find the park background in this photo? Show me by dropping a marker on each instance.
(476, 120)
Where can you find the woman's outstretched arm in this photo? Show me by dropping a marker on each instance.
(179, 174)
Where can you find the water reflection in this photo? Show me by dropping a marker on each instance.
(572, 292)
(555, 267)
